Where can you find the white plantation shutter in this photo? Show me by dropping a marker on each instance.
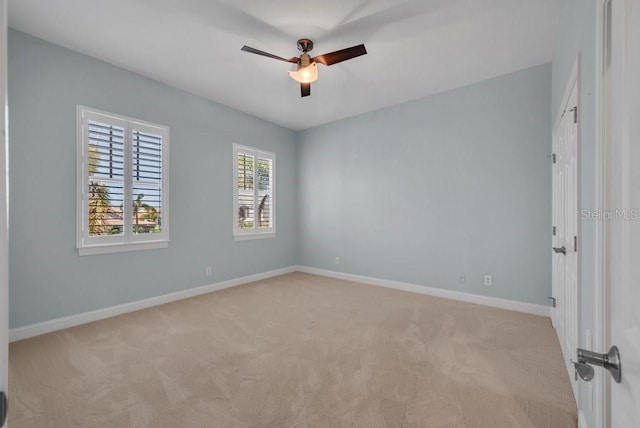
(147, 164)
(122, 183)
(246, 191)
(105, 186)
(254, 206)
(264, 168)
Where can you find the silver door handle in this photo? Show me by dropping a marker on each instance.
(587, 359)
(560, 250)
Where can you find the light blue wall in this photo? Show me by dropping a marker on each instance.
(424, 191)
(577, 36)
(421, 192)
(48, 278)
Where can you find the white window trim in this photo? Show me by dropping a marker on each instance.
(249, 234)
(90, 246)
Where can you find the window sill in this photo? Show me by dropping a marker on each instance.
(254, 236)
(121, 248)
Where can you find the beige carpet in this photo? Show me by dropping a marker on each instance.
(296, 351)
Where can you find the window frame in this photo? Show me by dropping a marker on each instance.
(240, 234)
(128, 241)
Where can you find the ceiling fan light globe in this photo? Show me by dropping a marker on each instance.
(308, 74)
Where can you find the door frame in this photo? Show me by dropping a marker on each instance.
(601, 383)
(4, 204)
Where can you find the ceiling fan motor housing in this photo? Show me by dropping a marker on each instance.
(305, 45)
(305, 60)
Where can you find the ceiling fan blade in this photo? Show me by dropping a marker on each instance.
(305, 89)
(341, 55)
(249, 49)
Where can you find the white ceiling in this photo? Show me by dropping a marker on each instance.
(415, 47)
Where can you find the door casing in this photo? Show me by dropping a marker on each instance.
(4, 204)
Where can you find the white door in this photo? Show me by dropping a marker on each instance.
(565, 221)
(4, 247)
(624, 204)
(558, 260)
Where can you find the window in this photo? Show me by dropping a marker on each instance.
(123, 181)
(254, 191)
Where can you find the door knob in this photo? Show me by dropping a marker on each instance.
(560, 250)
(610, 361)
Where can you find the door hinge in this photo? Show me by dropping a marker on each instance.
(553, 231)
(575, 244)
(553, 157)
(575, 114)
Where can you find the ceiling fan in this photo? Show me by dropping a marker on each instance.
(307, 71)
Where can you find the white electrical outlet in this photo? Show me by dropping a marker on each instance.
(337, 260)
(462, 278)
(207, 270)
(488, 280)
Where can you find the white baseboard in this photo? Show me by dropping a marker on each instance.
(511, 305)
(32, 330)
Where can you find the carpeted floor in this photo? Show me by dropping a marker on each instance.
(296, 351)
